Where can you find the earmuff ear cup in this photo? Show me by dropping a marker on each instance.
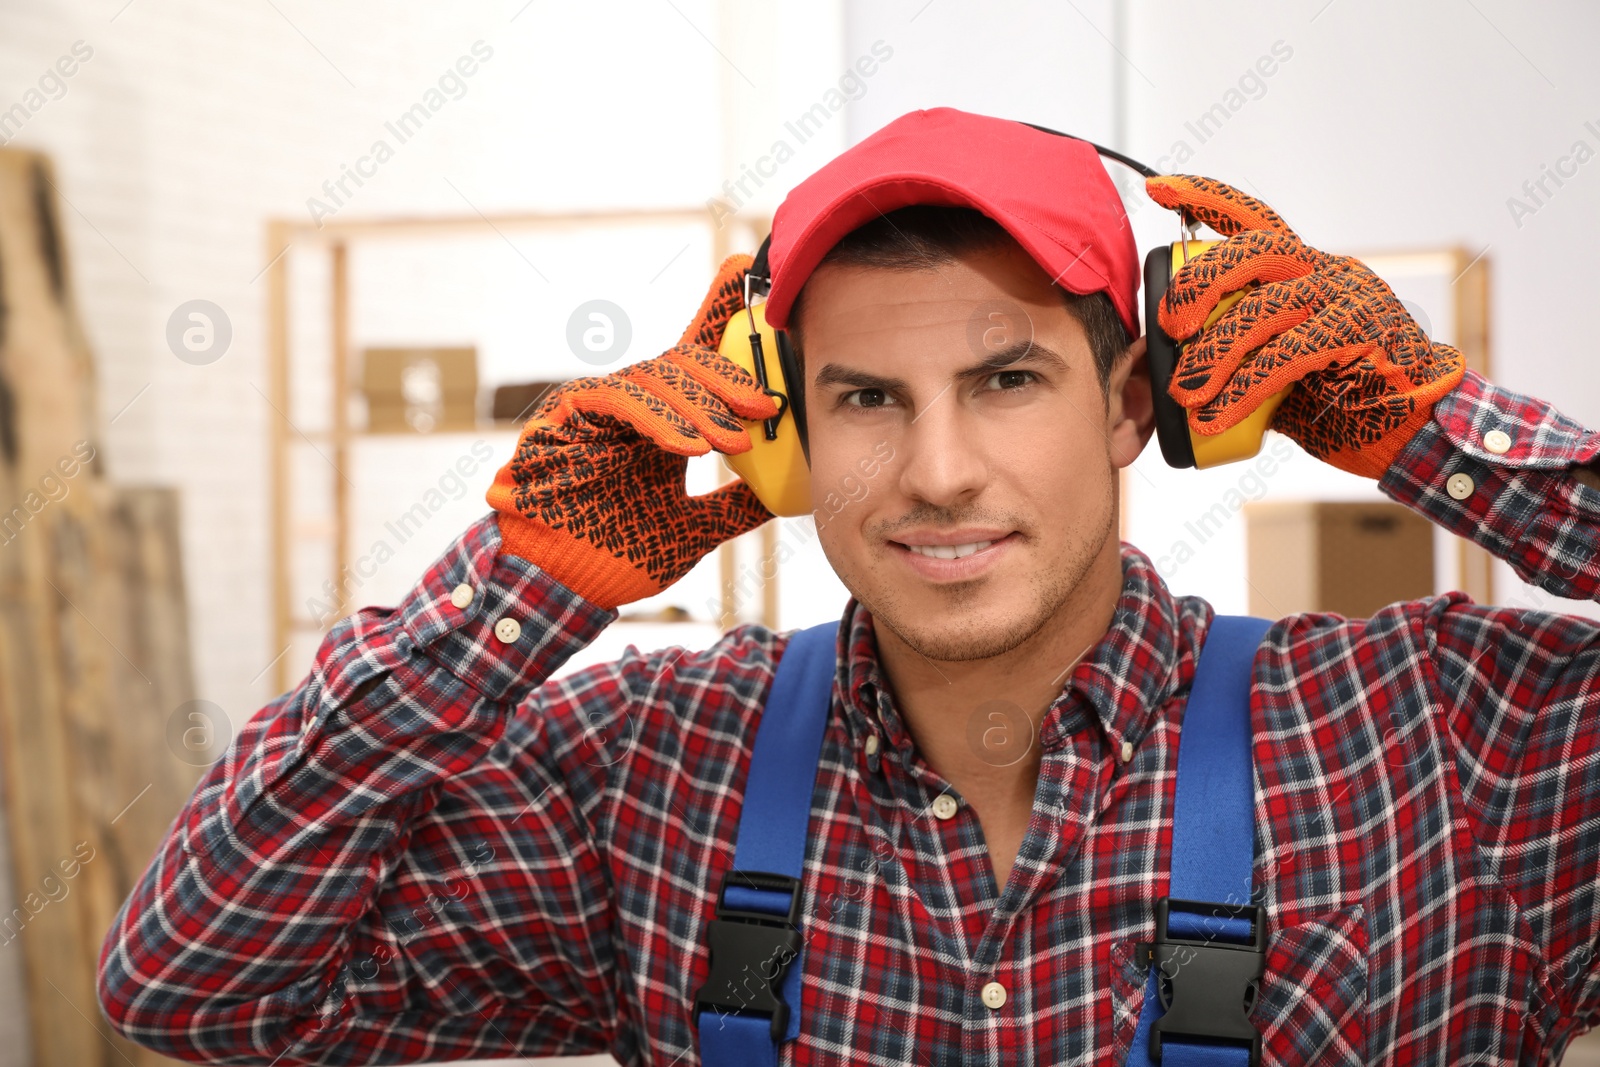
(1179, 446)
(1172, 422)
(775, 469)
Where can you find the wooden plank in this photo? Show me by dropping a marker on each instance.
(15, 1043)
(92, 659)
(767, 573)
(45, 379)
(339, 328)
(278, 238)
(1471, 284)
(157, 737)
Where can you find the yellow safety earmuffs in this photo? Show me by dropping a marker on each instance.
(777, 467)
(1180, 446)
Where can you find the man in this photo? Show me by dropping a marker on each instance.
(424, 853)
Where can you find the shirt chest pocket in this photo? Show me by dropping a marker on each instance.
(1311, 1008)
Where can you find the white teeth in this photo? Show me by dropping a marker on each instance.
(949, 551)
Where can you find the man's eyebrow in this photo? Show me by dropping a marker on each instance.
(1020, 353)
(834, 374)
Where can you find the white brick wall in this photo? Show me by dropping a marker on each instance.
(193, 123)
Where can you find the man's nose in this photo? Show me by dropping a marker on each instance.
(945, 461)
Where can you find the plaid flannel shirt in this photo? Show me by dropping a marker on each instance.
(424, 853)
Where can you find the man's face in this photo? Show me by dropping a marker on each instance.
(963, 457)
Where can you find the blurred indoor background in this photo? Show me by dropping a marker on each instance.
(280, 277)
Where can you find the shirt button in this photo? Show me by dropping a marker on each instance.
(1497, 441)
(508, 630)
(461, 595)
(872, 744)
(1459, 486)
(994, 995)
(944, 806)
(1127, 751)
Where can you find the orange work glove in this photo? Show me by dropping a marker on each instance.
(1367, 375)
(594, 494)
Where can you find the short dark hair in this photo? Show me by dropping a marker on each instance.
(915, 237)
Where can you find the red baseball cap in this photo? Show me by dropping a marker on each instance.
(1050, 192)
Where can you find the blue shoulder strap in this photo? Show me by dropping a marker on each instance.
(750, 1002)
(1210, 941)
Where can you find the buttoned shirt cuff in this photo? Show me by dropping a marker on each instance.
(1495, 467)
(474, 637)
(498, 623)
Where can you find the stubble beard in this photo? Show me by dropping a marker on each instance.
(1049, 594)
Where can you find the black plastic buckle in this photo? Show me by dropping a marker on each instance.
(750, 953)
(1213, 983)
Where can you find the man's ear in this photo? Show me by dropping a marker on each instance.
(1131, 411)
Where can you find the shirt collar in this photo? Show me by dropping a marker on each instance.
(1145, 656)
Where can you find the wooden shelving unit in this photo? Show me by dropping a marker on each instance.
(334, 237)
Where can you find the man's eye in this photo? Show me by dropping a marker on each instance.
(1010, 379)
(867, 398)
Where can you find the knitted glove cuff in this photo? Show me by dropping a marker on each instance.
(599, 577)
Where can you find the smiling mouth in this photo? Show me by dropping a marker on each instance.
(949, 551)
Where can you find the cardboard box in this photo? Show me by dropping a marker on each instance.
(1350, 558)
(420, 390)
(516, 403)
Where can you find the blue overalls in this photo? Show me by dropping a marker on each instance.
(1210, 943)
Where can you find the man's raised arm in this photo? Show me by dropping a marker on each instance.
(1515, 690)
(341, 887)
